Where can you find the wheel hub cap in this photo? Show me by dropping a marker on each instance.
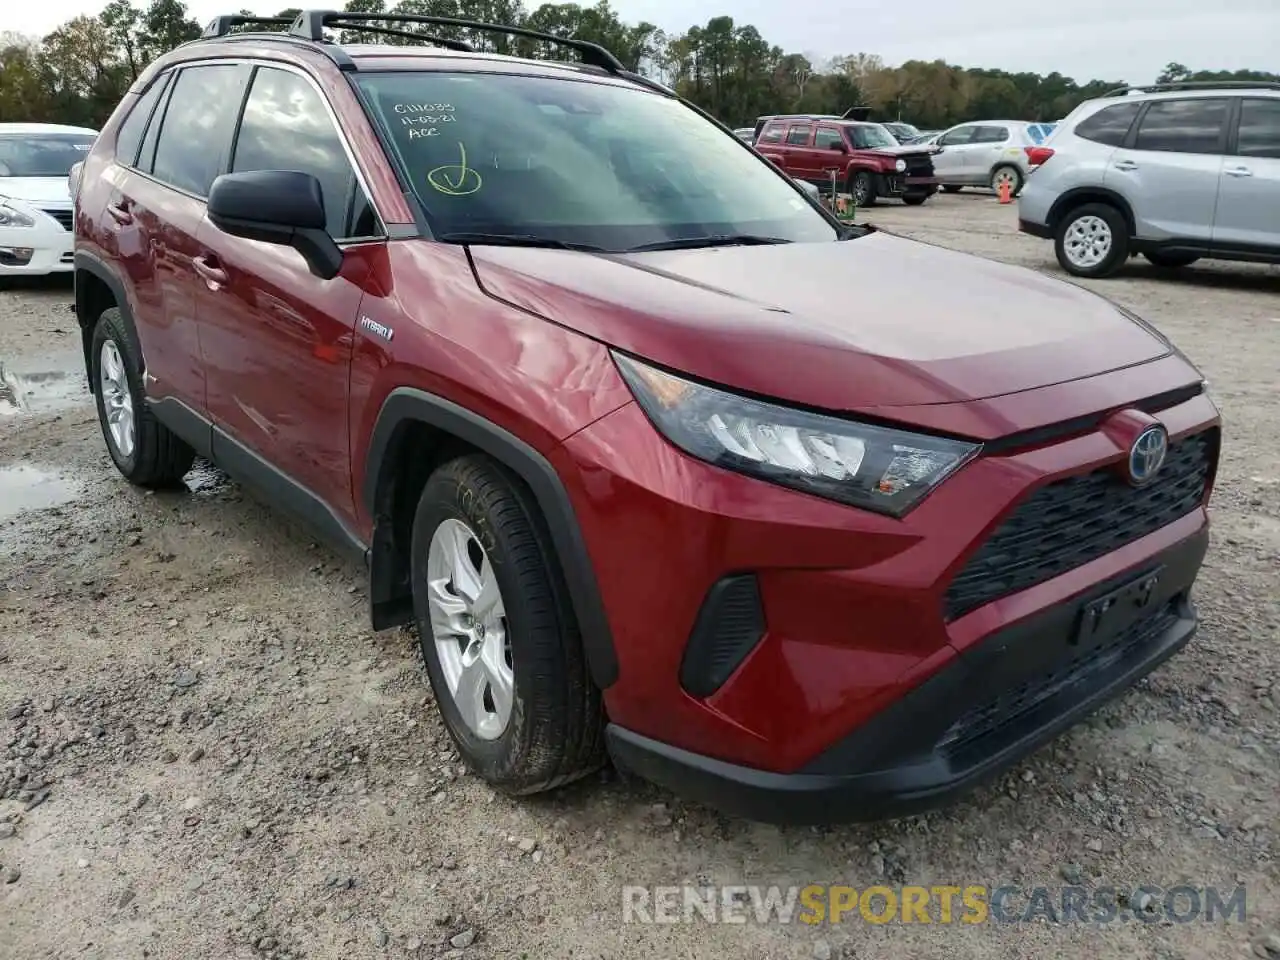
(469, 628)
(1088, 241)
(117, 401)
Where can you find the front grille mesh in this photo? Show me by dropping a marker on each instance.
(1070, 522)
(64, 217)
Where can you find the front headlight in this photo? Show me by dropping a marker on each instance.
(876, 468)
(12, 217)
(900, 166)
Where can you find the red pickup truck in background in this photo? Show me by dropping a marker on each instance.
(867, 161)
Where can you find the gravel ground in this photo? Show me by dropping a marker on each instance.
(204, 751)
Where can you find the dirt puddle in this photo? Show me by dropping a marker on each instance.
(26, 487)
(26, 393)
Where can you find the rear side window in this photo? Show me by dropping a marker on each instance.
(286, 126)
(1259, 128)
(1110, 125)
(195, 135)
(991, 135)
(772, 133)
(798, 135)
(129, 137)
(1183, 126)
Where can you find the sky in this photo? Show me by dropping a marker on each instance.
(1120, 40)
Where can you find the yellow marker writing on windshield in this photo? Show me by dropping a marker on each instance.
(455, 180)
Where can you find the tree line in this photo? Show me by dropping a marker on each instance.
(78, 73)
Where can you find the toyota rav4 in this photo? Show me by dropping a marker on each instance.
(577, 391)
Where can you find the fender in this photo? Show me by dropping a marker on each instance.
(1078, 195)
(406, 404)
(87, 311)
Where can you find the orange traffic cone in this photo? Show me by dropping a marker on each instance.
(1005, 191)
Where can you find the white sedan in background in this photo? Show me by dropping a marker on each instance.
(36, 212)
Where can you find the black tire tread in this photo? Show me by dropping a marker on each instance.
(1119, 242)
(566, 742)
(160, 457)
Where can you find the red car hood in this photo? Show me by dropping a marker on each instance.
(871, 322)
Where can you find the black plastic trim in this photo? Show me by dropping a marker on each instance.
(884, 769)
(730, 624)
(276, 487)
(1080, 195)
(407, 405)
(92, 264)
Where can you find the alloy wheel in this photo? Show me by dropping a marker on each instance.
(469, 628)
(117, 400)
(1087, 242)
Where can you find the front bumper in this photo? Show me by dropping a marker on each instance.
(36, 251)
(992, 705)
(898, 184)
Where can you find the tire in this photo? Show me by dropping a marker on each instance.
(863, 189)
(1102, 256)
(145, 451)
(951, 188)
(1006, 172)
(915, 199)
(553, 728)
(1171, 261)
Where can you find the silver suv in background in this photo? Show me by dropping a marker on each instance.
(1174, 172)
(988, 153)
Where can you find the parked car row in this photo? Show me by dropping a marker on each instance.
(496, 362)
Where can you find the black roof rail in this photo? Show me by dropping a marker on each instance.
(459, 45)
(311, 24)
(856, 113)
(1194, 85)
(221, 26)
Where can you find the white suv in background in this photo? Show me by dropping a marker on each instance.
(1175, 172)
(35, 200)
(986, 154)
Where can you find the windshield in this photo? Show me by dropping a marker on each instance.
(868, 136)
(42, 155)
(583, 162)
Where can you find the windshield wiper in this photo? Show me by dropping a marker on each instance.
(717, 240)
(518, 240)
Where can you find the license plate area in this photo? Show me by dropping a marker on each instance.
(1115, 611)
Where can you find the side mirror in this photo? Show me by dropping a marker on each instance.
(277, 206)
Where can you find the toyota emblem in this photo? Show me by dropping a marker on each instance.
(1146, 456)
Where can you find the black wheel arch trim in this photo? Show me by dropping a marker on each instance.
(98, 267)
(406, 405)
(1078, 196)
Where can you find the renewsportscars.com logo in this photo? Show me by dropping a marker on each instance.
(970, 904)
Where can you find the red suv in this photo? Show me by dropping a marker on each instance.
(863, 159)
(577, 391)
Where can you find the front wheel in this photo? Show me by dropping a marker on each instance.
(1092, 240)
(143, 449)
(863, 189)
(502, 647)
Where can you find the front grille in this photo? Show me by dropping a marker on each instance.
(1070, 522)
(919, 165)
(1008, 707)
(64, 217)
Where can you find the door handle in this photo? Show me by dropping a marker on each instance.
(1239, 172)
(213, 275)
(119, 214)
(1125, 165)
